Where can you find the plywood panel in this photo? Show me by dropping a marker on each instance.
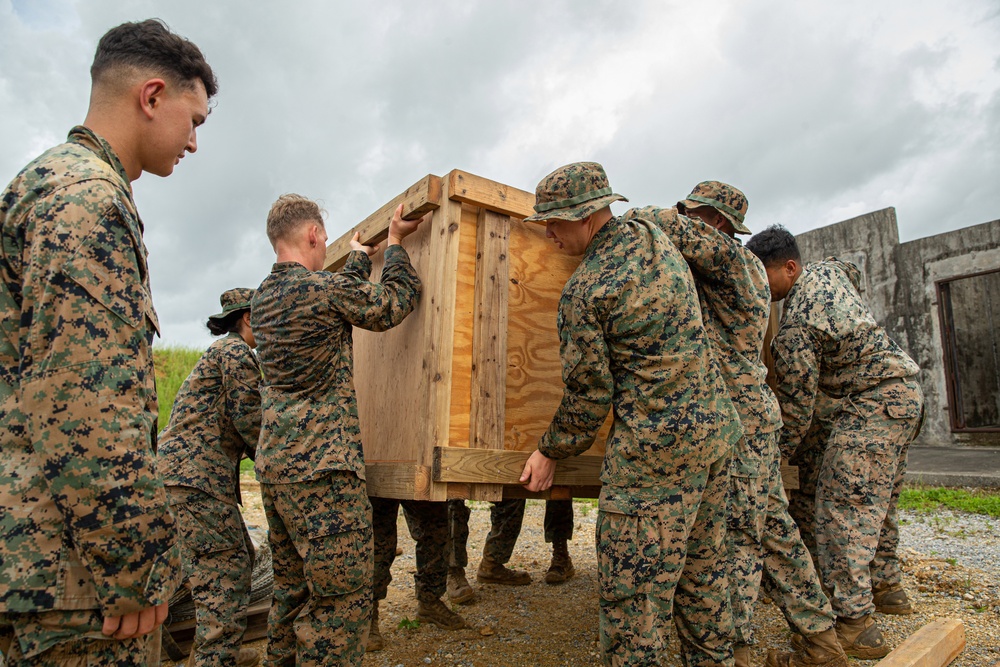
(538, 271)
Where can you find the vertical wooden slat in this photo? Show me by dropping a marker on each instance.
(489, 340)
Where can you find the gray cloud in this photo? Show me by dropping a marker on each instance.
(818, 112)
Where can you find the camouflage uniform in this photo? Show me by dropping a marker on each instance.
(735, 303)
(428, 524)
(85, 531)
(632, 338)
(309, 458)
(829, 341)
(215, 421)
(506, 517)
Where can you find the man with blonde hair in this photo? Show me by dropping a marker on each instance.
(88, 548)
(309, 459)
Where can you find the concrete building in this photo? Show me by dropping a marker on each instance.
(939, 298)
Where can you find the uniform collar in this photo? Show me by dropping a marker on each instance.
(87, 138)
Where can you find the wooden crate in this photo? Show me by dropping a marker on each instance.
(454, 399)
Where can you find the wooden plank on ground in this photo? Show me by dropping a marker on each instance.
(422, 197)
(483, 466)
(482, 192)
(934, 645)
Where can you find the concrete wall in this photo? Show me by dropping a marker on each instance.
(901, 288)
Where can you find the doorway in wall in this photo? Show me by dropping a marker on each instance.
(969, 308)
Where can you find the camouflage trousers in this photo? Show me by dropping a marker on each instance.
(673, 559)
(558, 522)
(428, 524)
(218, 562)
(321, 542)
(857, 490)
(763, 537)
(71, 639)
(506, 517)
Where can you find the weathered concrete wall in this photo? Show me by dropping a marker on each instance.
(901, 288)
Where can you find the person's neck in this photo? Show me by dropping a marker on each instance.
(284, 255)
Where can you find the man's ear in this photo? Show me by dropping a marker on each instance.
(151, 96)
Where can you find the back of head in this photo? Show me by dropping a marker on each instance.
(726, 199)
(234, 303)
(774, 245)
(288, 213)
(149, 47)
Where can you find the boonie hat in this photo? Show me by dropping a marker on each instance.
(724, 198)
(573, 192)
(232, 300)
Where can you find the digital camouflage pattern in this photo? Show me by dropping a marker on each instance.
(84, 523)
(506, 517)
(320, 533)
(726, 199)
(632, 337)
(303, 321)
(218, 563)
(735, 303)
(828, 341)
(428, 525)
(309, 458)
(214, 423)
(573, 192)
(80, 641)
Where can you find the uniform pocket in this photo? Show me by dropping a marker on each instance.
(208, 525)
(627, 555)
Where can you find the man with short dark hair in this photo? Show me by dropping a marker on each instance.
(309, 461)
(88, 548)
(829, 341)
(632, 337)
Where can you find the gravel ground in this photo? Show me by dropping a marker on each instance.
(950, 567)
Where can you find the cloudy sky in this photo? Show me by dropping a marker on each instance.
(818, 111)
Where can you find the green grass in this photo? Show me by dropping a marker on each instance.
(172, 365)
(930, 499)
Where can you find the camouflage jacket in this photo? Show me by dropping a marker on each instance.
(829, 340)
(215, 421)
(84, 522)
(302, 321)
(735, 303)
(631, 336)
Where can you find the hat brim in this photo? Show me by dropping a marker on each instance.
(738, 226)
(577, 212)
(226, 312)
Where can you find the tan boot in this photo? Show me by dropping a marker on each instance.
(741, 655)
(495, 573)
(822, 650)
(459, 590)
(561, 568)
(247, 657)
(861, 638)
(437, 612)
(891, 600)
(375, 641)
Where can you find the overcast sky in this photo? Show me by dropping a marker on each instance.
(818, 111)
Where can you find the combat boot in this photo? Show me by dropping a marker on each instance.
(561, 568)
(496, 573)
(437, 612)
(375, 641)
(459, 590)
(861, 638)
(891, 599)
(822, 650)
(247, 657)
(741, 655)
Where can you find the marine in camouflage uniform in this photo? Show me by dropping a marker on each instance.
(309, 460)
(428, 525)
(214, 423)
(632, 338)
(506, 517)
(735, 304)
(88, 548)
(829, 341)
